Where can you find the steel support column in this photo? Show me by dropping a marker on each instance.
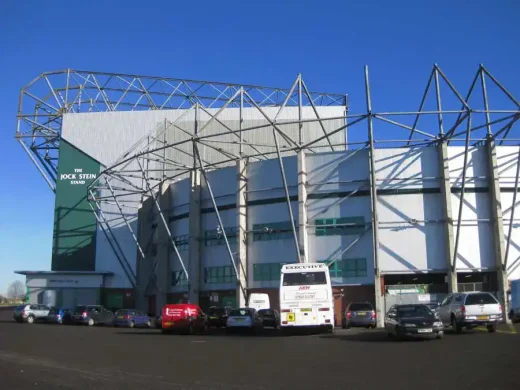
(498, 225)
(302, 208)
(194, 241)
(163, 270)
(445, 187)
(379, 299)
(144, 267)
(242, 241)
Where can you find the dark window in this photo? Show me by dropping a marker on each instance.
(181, 242)
(340, 226)
(360, 307)
(480, 299)
(219, 275)
(214, 237)
(216, 311)
(273, 231)
(413, 311)
(179, 278)
(267, 271)
(80, 309)
(304, 278)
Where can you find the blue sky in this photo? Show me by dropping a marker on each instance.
(265, 42)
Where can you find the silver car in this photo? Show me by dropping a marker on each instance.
(31, 313)
(469, 310)
(244, 319)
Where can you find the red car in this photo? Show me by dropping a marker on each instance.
(183, 317)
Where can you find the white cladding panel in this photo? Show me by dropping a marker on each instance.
(513, 258)
(345, 171)
(264, 178)
(476, 169)
(406, 168)
(405, 246)
(476, 237)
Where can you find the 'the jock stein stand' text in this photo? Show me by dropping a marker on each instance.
(78, 177)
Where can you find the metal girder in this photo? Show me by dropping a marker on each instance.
(217, 213)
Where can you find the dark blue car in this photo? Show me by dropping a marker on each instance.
(58, 316)
(131, 318)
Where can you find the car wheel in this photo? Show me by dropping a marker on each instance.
(60, 321)
(149, 324)
(440, 335)
(30, 320)
(131, 324)
(190, 329)
(398, 333)
(455, 325)
(492, 328)
(91, 322)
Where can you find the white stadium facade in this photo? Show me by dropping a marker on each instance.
(172, 190)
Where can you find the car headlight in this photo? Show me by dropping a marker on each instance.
(409, 325)
(438, 323)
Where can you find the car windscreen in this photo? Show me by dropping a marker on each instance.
(80, 309)
(19, 308)
(480, 299)
(360, 307)
(304, 278)
(217, 311)
(413, 311)
(240, 313)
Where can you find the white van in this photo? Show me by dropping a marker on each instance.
(259, 301)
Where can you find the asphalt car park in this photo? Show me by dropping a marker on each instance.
(81, 357)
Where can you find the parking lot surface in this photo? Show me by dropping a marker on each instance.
(79, 357)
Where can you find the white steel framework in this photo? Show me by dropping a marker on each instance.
(456, 119)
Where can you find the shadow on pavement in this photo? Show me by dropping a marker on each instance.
(372, 337)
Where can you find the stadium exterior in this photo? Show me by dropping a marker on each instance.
(178, 190)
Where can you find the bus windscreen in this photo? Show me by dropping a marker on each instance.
(304, 278)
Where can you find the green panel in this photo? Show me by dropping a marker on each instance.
(220, 275)
(74, 236)
(229, 301)
(340, 226)
(347, 268)
(267, 271)
(114, 300)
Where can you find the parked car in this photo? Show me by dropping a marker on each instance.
(270, 318)
(30, 313)
(183, 317)
(92, 315)
(217, 316)
(58, 315)
(244, 319)
(433, 306)
(469, 310)
(131, 318)
(359, 314)
(514, 301)
(415, 320)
